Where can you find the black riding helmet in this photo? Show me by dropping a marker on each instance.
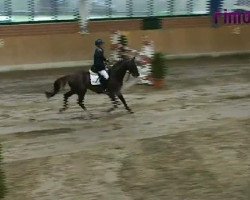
(99, 42)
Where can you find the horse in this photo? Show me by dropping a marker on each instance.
(80, 82)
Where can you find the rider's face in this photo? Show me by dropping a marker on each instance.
(102, 45)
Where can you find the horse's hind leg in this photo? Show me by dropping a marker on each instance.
(81, 101)
(81, 96)
(66, 97)
(120, 96)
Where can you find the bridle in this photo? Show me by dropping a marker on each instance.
(128, 72)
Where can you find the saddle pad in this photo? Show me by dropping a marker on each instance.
(94, 78)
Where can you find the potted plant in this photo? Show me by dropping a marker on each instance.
(159, 69)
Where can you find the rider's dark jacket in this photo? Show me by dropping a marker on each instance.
(99, 59)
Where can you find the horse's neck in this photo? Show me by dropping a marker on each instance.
(120, 72)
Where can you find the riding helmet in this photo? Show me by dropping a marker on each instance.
(99, 42)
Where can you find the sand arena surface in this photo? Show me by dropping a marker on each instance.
(189, 141)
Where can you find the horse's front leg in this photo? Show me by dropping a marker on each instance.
(114, 102)
(120, 96)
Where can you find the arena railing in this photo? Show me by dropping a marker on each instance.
(29, 11)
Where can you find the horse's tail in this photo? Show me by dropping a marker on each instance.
(58, 84)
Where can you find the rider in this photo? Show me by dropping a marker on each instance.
(99, 63)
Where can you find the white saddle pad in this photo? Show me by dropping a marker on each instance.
(94, 78)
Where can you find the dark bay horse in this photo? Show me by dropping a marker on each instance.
(80, 82)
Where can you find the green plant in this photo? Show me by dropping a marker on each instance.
(2, 177)
(159, 66)
(124, 40)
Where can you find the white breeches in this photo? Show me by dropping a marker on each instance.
(104, 73)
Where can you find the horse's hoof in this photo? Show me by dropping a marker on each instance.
(90, 116)
(86, 117)
(61, 110)
(110, 110)
(130, 111)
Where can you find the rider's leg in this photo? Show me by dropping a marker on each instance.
(105, 74)
(104, 78)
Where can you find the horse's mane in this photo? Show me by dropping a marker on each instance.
(119, 64)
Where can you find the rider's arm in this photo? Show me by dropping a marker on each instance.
(104, 58)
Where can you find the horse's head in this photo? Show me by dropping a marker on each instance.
(132, 68)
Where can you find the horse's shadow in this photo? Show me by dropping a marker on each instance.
(104, 114)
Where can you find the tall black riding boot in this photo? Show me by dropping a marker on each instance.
(104, 84)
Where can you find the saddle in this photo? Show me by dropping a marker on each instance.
(95, 78)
